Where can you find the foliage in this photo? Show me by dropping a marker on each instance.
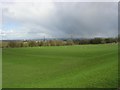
(36, 43)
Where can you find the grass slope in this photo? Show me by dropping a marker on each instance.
(85, 66)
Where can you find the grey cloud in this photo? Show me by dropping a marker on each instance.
(84, 20)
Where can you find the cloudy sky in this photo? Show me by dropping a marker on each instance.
(59, 20)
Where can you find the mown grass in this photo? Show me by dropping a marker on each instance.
(84, 66)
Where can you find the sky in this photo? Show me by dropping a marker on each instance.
(34, 20)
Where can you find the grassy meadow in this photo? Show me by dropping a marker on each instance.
(82, 66)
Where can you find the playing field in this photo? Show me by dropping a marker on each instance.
(84, 66)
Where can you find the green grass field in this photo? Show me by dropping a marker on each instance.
(84, 66)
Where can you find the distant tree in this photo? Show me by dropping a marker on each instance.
(84, 41)
(52, 43)
(96, 41)
(32, 43)
(12, 44)
(19, 44)
(25, 44)
(109, 40)
(103, 41)
(69, 42)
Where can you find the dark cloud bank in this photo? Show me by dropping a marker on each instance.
(81, 20)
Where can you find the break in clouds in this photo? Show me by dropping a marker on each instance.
(60, 20)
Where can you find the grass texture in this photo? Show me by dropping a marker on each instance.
(83, 66)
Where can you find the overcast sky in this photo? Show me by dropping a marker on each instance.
(59, 20)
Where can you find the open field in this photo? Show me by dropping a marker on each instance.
(83, 66)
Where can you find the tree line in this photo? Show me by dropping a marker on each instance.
(38, 43)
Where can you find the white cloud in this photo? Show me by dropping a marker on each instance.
(29, 11)
(52, 19)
